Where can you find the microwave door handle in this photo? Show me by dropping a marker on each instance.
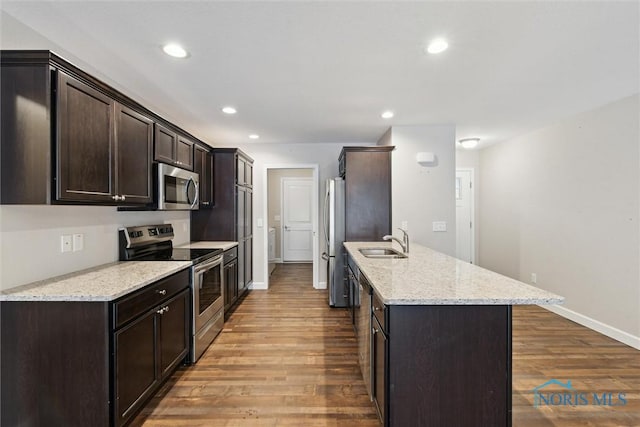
(191, 182)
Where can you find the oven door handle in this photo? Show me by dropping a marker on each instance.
(198, 268)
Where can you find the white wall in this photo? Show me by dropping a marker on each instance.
(30, 238)
(421, 195)
(564, 203)
(325, 155)
(470, 159)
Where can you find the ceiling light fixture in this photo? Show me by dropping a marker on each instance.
(175, 50)
(437, 46)
(229, 110)
(254, 136)
(469, 142)
(387, 114)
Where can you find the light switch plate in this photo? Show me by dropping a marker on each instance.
(405, 225)
(259, 222)
(439, 226)
(78, 242)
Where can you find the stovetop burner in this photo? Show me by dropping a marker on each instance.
(154, 243)
(181, 254)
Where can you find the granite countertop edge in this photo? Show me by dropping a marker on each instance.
(428, 277)
(103, 283)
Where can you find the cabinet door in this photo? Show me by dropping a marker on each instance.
(173, 343)
(248, 263)
(184, 153)
(379, 385)
(164, 144)
(241, 215)
(85, 163)
(203, 166)
(230, 284)
(135, 365)
(248, 175)
(242, 260)
(134, 145)
(240, 171)
(248, 213)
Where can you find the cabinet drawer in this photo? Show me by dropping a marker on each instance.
(148, 297)
(380, 312)
(230, 255)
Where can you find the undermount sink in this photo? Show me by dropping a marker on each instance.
(381, 253)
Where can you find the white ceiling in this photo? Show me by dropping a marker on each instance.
(324, 71)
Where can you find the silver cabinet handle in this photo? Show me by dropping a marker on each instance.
(162, 291)
(166, 309)
(161, 311)
(116, 197)
(122, 198)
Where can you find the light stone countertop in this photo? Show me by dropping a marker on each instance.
(428, 277)
(103, 283)
(224, 245)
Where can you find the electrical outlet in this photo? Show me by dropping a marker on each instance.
(534, 278)
(78, 242)
(405, 225)
(66, 243)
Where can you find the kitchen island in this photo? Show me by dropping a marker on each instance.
(440, 343)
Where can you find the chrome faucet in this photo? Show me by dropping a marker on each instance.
(404, 243)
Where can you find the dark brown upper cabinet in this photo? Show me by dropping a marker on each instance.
(173, 148)
(104, 148)
(67, 137)
(367, 179)
(203, 166)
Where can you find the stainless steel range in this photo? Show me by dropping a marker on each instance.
(154, 243)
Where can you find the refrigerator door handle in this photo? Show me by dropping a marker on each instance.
(326, 216)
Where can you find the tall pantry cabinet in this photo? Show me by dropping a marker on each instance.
(230, 216)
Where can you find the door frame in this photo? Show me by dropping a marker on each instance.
(282, 181)
(315, 217)
(473, 211)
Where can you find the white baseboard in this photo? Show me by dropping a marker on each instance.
(321, 285)
(275, 261)
(258, 285)
(610, 331)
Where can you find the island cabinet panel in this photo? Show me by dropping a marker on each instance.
(451, 367)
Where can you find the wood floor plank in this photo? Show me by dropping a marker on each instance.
(285, 359)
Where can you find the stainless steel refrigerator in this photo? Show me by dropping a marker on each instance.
(334, 236)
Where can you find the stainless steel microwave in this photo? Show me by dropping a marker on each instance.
(177, 188)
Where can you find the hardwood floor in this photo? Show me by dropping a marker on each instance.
(286, 359)
(547, 346)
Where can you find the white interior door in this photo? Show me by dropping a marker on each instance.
(464, 215)
(297, 219)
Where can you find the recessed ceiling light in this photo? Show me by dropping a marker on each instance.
(229, 110)
(469, 142)
(175, 50)
(437, 46)
(387, 114)
(254, 136)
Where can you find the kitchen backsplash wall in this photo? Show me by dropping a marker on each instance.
(30, 238)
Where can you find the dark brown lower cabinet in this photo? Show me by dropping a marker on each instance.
(147, 350)
(90, 363)
(230, 284)
(442, 365)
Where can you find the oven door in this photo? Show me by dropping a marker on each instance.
(208, 288)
